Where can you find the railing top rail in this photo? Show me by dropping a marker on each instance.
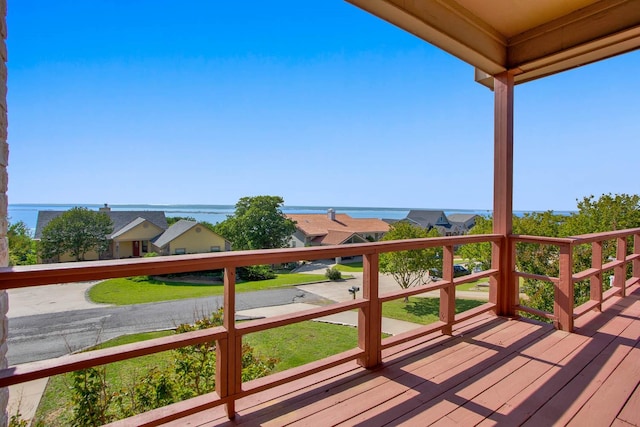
(523, 238)
(606, 235)
(575, 240)
(44, 274)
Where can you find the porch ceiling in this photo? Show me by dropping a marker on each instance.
(534, 38)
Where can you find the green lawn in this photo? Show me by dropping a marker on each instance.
(422, 310)
(351, 267)
(304, 342)
(136, 290)
(475, 286)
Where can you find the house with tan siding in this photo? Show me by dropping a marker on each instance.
(137, 233)
(189, 237)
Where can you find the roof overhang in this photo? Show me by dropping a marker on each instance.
(532, 39)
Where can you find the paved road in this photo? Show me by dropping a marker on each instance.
(43, 336)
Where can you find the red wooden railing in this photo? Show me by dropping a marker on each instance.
(228, 337)
(564, 311)
(229, 386)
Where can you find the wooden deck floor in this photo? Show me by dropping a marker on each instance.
(493, 371)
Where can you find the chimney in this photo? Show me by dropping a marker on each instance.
(331, 214)
(105, 208)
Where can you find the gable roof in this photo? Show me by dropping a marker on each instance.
(177, 229)
(320, 224)
(428, 218)
(337, 237)
(120, 219)
(461, 217)
(133, 224)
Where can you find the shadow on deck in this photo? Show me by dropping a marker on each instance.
(492, 371)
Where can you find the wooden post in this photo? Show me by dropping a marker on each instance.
(229, 351)
(370, 317)
(563, 296)
(448, 293)
(504, 294)
(620, 272)
(596, 281)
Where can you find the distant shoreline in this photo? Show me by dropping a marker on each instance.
(28, 212)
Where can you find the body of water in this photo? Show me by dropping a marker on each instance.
(28, 213)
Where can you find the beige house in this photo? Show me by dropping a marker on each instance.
(189, 237)
(137, 233)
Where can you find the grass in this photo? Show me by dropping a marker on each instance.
(475, 286)
(137, 290)
(352, 267)
(304, 342)
(422, 310)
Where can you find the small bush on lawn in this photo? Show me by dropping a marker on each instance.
(256, 272)
(333, 274)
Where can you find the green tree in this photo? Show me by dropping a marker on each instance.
(76, 231)
(607, 213)
(22, 249)
(409, 268)
(257, 223)
(479, 252)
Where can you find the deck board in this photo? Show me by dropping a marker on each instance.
(492, 371)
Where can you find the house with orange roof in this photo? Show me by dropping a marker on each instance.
(335, 229)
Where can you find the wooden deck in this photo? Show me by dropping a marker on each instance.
(492, 371)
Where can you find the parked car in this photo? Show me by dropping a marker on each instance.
(458, 270)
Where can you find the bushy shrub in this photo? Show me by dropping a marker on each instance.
(192, 372)
(255, 272)
(333, 273)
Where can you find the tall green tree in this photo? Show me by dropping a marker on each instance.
(76, 232)
(409, 268)
(22, 249)
(257, 223)
(607, 213)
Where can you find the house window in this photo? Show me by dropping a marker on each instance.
(198, 229)
(215, 249)
(180, 251)
(145, 246)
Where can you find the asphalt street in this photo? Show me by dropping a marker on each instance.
(44, 336)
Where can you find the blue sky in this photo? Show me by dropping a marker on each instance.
(319, 102)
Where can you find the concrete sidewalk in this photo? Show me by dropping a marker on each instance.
(50, 299)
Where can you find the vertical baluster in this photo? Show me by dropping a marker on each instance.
(636, 262)
(596, 281)
(370, 317)
(620, 271)
(448, 293)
